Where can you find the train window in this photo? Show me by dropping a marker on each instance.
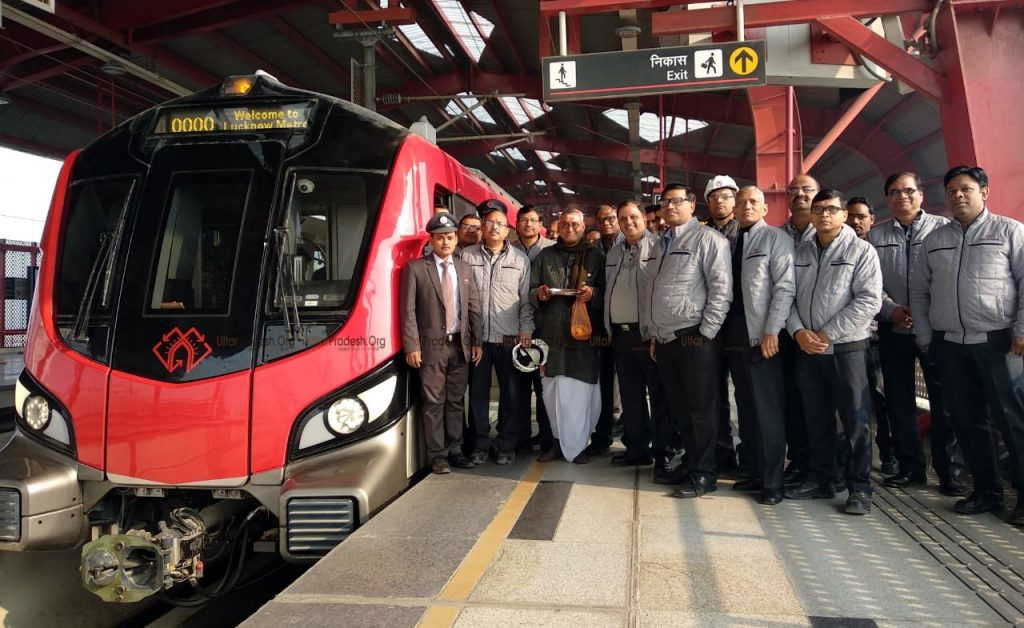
(461, 206)
(326, 224)
(94, 211)
(197, 249)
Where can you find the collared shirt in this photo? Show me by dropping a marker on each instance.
(797, 235)
(730, 229)
(454, 278)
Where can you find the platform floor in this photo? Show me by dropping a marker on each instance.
(558, 544)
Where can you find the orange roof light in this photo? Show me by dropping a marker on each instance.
(237, 85)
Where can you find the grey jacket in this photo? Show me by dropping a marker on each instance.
(899, 252)
(691, 284)
(612, 265)
(971, 281)
(538, 246)
(503, 281)
(767, 279)
(838, 289)
(796, 235)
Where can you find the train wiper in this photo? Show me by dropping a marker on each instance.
(286, 286)
(79, 331)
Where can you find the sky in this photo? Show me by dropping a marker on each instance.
(26, 185)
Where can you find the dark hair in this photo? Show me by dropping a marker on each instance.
(591, 229)
(690, 196)
(892, 179)
(652, 209)
(975, 172)
(860, 200)
(469, 215)
(526, 209)
(629, 201)
(828, 194)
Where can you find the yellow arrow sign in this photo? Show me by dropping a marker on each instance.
(743, 60)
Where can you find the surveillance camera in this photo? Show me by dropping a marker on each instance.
(306, 186)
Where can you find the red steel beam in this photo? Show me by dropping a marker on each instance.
(503, 25)
(841, 125)
(14, 60)
(217, 18)
(61, 67)
(577, 7)
(392, 16)
(778, 14)
(296, 37)
(523, 177)
(888, 55)
(31, 146)
(129, 14)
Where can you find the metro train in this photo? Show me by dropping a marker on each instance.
(213, 363)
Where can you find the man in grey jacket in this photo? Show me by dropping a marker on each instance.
(966, 303)
(689, 288)
(838, 292)
(898, 244)
(763, 291)
(625, 274)
(502, 276)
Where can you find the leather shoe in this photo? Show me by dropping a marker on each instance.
(583, 458)
(838, 485)
(978, 502)
(794, 475)
(858, 503)
(906, 479)
(696, 486)
(890, 466)
(750, 484)
(631, 460)
(809, 490)
(1017, 516)
(594, 449)
(440, 466)
(664, 475)
(770, 496)
(461, 461)
(479, 456)
(952, 487)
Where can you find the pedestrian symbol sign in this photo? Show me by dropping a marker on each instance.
(707, 63)
(563, 75)
(743, 60)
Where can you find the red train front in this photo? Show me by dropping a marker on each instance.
(213, 356)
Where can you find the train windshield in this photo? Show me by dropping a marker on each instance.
(198, 247)
(323, 236)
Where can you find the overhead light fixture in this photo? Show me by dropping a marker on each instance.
(629, 31)
(113, 68)
(5, 99)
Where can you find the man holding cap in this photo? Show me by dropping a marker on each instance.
(440, 313)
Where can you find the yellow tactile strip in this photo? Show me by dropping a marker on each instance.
(473, 567)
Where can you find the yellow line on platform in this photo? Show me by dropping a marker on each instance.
(473, 567)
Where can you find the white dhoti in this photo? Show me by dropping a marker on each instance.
(574, 408)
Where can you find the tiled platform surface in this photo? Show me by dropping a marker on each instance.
(622, 553)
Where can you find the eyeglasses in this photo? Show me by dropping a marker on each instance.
(469, 227)
(967, 190)
(898, 192)
(714, 198)
(570, 225)
(807, 189)
(494, 224)
(529, 221)
(831, 210)
(607, 219)
(674, 202)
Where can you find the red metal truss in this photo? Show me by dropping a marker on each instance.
(21, 57)
(522, 177)
(216, 18)
(11, 83)
(127, 14)
(778, 14)
(888, 55)
(577, 7)
(297, 38)
(390, 15)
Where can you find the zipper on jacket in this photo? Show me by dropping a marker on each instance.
(959, 312)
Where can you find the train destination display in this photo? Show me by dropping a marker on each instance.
(227, 119)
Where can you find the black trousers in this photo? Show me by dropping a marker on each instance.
(443, 385)
(760, 406)
(688, 367)
(883, 428)
(602, 436)
(529, 384)
(796, 425)
(830, 384)
(898, 353)
(725, 449)
(976, 377)
(638, 381)
(499, 357)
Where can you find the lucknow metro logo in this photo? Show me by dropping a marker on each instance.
(177, 349)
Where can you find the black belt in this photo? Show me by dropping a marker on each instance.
(617, 327)
(847, 347)
(990, 336)
(693, 330)
(455, 338)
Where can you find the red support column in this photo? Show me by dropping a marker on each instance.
(779, 145)
(980, 53)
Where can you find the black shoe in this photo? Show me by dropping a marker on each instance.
(794, 475)
(583, 458)
(631, 460)
(555, 453)
(440, 466)
(664, 475)
(770, 496)
(952, 486)
(1017, 516)
(596, 449)
(906, 479)
(460, 461)
(858, 503)
(696, 486)
(750, 484)
(505, 457)
(838, 485)
(889, 466)
(809, 490)
(479, 456)
(978, 502)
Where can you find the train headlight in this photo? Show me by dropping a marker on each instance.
(36, 412)
(346, 415)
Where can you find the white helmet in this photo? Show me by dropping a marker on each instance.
(529, 359)
(718, 183)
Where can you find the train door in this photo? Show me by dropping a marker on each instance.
(179, 395)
